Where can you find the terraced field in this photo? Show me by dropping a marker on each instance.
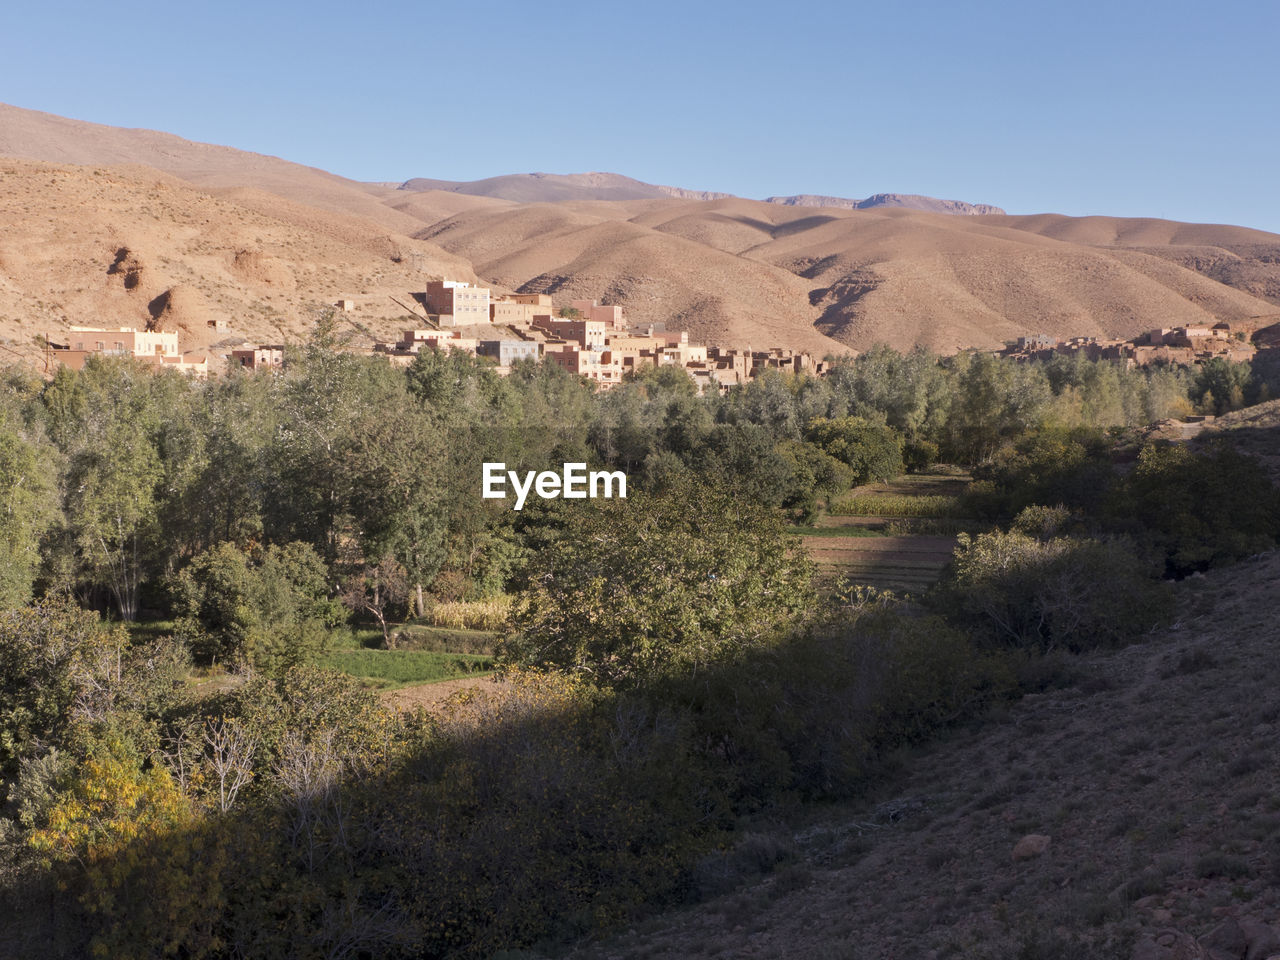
(900, 535)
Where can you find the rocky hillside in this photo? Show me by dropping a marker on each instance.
(1128, 811)
(114, 246)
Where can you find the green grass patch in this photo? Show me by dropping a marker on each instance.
(399, 668)
(416, 636)
(141, 632)
(354, 638)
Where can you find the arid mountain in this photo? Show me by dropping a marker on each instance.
(858, 276)
(909, 201)
(730, 270)
(43, 136)
(558, 188)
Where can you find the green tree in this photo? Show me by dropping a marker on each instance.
(1221, 386)
(994, 401)
(396, 459)
(111, 420)
(658, 584)
(871, 451)
(1198, 509)
(28, 509)
(268, 608)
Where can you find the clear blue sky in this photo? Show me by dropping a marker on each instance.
(1165, 109)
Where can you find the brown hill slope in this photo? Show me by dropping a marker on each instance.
(716, 296)
(1239, 257)
(729, 269)
(1152, 771)
(122, 247)
(860, 276)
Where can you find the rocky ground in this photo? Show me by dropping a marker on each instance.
(1131, 810)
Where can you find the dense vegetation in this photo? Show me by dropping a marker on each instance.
(671, 667)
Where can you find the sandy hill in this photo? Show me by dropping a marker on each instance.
(858, 276)
(718, 297)
(43, 136)
(731, 270)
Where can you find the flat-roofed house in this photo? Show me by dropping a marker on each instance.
(457, 302)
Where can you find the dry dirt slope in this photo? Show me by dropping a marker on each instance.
(1155, 775)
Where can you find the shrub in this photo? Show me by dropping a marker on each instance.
(268, 607)
(1069, 467)
(1061, 592)
(919, 455)
(1199, 509)
(56, 661)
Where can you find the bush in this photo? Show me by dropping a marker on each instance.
(919, 455)
(56, 661)
(1069, 467)
(1199, 509)
(268, 607)
(1055, 593)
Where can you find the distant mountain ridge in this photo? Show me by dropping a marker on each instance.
(561, 188)
(908, 201)
(567, 187)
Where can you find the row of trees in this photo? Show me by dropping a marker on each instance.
(115, 480)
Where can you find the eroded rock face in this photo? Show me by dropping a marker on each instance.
(128, 266)
(1031, 846)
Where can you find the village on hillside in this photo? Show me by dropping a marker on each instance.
(586, 338)
(597, 342)
(1182, 346)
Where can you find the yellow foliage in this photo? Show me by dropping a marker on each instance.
(112, 802)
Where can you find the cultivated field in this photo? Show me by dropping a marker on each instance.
(892, 536)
